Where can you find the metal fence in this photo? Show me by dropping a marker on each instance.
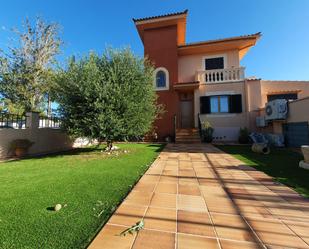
(12, 121)
(49, 122)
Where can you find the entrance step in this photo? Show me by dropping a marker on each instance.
(187, 136)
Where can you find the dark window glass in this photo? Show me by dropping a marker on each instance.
(288, 96)
(204, 105)
(161, 79)
(214, 63)
(235, 103)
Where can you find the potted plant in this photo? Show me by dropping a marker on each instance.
(20, 147)
(243, 136)
(207, 132)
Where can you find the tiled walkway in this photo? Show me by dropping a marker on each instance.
(196, 196)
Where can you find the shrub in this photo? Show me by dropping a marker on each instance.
(207, 132)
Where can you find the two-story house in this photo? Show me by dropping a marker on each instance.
(205, 79)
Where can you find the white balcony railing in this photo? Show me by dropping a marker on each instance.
(220, 75)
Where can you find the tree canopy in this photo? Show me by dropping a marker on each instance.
(108, 97)
(26, 70)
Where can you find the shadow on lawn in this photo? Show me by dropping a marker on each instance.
(281, 164)
(77, 151)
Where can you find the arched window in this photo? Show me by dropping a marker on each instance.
(161, 81)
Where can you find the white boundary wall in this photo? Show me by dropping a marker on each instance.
(46, 140)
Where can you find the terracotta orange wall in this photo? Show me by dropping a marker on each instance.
(160, 45)
(189, 64)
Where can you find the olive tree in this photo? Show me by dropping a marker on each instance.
(108, 97)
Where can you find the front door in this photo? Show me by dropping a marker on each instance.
(186, 110)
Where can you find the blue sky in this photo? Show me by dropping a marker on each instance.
(282, 53)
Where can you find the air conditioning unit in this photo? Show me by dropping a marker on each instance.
(260, 121)
(276, 109)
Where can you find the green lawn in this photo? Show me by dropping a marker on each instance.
(282, 164)
(89, 182)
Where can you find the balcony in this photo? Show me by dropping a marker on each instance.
(220, 75)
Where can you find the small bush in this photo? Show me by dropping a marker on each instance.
(207, 132)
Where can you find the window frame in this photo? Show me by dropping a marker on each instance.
(269, 96)
(166, 78)
(218, 97)
(224, 56)
(235, 103)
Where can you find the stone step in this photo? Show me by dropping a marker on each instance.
(188, 141)
(186, 132)
(188, 137)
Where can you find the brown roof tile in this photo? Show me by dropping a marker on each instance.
(160, 16)
(256, 35)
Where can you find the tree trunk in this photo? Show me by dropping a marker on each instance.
(109, 145)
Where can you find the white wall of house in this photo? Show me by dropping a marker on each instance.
(189, 64)
(226, 126)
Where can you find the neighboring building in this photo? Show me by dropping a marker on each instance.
(205, 79)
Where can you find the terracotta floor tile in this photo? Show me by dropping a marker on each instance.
(185, 164)
(224, 206)
(300, 228)
(161, 219)
(108, 238)
(231, 227)
(173, 173)
(171, 167)
(127, 215)
(213, 191)
(200, 164)
(229, 244)
(168, 179)
(150, 178)
(273, 232)
(170, 188)
(188, 180)
(186, 173)
(185, 241)
(139, 198)
(209, 182)
(186, 189)
(191, 203)
(145, 186)
(163, 200)
(148, 239)
(195, 223)
(205, 172)
(200, 180)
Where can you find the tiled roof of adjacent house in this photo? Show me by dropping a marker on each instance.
(160, 16)
(242, 37)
